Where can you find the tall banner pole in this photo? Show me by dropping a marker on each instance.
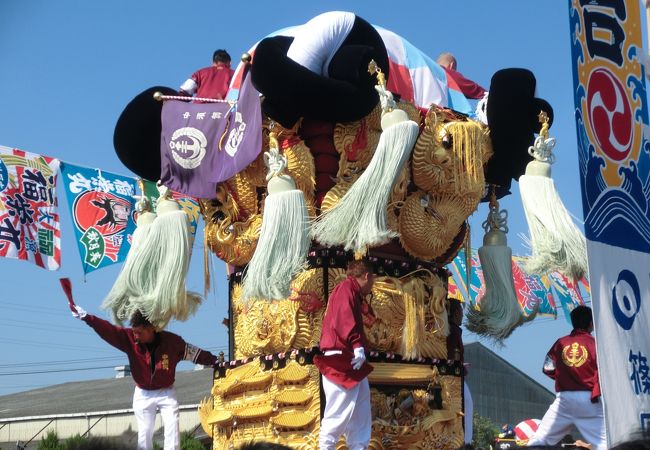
(611, 114)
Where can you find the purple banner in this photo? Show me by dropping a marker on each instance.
(202, 144)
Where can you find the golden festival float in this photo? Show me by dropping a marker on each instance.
(353, 165)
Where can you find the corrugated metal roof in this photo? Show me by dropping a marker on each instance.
(97, 395)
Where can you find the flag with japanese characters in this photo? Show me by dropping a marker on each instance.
(531, 290)
(188, 204)
(568, 293)
(29, 222)
(611, 116)
(102, 207)
(202, 144)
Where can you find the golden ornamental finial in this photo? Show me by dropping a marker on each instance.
(543, 119)
(273, 140)
(373, 68)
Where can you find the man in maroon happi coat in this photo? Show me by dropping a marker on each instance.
(571, 362)
(343, 363)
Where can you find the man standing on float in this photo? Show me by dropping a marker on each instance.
(343, 363)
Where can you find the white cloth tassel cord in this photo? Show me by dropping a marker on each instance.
(163, 270)
(557, 243)
(118, 300)
(358, 221)
(499, 312)
(284, 240)
(154, 280)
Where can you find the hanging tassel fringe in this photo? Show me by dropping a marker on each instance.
(154, 280)
(557, 243)
(414, 329)
(499, 312)
(282, 247)
(359, 220)
(118, 301)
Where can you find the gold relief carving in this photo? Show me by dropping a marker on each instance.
(300, 166)
(428, 224)
(336, 193)
(356, 143)
(307, 291)
(255, 172)
(244, 194)
(390, 302)
(450, 153)
(232, 241)
(206, 406)
(397, 197)
(285, 411)
(262, 327)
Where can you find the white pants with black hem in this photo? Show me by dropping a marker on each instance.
(145, 405)
(347, 413)
(572, 408)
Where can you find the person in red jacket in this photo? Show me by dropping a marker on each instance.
(212, 81)
(571, 362)
(153, 356)
(469, 88)
(343, 364)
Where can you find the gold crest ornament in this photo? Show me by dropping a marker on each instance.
(574, 355)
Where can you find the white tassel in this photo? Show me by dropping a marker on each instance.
(557, 243)
(282, 247)
(117, 300)
(154, 280)
(499, 312)
(359, 220)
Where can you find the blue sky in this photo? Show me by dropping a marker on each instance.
(68, 68)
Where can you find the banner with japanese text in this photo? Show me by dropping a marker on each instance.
(531, 290)
(611, 114)
(29, 222)
(202, 144)
(102, 206)
(567, 292)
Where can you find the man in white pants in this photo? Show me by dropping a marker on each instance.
(153, 356)
(571, 362)
(343, 364)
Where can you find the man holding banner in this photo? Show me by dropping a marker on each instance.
(571, 362)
